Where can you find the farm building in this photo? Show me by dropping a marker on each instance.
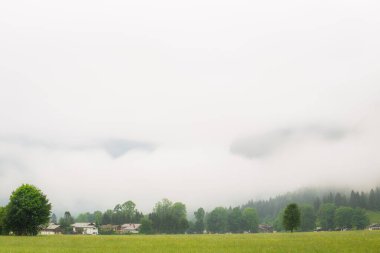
(51, 229)
(264, 228)
(374, 227)
(85, 228)
(109, 229)
(130, 228)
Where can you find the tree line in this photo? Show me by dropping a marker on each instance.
(366, 200)
(329, 217)
(29, 210)
(169, 218)
(269, 210)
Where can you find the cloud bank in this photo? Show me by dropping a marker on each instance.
(114, 147)
(206, 102)
(267, 144)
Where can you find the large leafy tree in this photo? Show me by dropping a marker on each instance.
(66, 222)
(307, 218)
(123, 213)
(169, 218)
(235, 220)
(95, 217)
(107, 217)
(118, 216)
(129, 211)
(199, 225)
(217, 220)
(327, 216)
(146, 226)
(27, 210)
(98, 218)
(250, 220)
(291, 219)
(277, 223)
(161, 217)
(178, 217)
(343, 217)
(359, 219)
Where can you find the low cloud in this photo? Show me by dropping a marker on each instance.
(118, 147)
(267, 144)
(115, 147)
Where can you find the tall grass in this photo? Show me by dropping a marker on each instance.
(348, 241)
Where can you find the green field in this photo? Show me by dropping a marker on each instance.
(349, 241)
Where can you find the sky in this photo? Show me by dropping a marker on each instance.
(211, 103)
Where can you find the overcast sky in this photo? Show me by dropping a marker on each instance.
(205, 102)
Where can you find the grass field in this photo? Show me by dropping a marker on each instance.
(348, 241)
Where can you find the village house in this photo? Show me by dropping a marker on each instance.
(109, 229)
(130, 228)
(375, 226)
(51, 229)
(85, 228)
(264, 228)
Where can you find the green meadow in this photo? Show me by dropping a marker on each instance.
(347, 241)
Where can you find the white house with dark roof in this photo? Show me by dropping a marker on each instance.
(131, 228)
(85, 228)
(51, 229)
(375, 226)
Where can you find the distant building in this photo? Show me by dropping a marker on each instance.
(109, 229)
(342, 229)
(375, 226)
(265, 228)
(51, 229)
(130, 228)
(85, 228)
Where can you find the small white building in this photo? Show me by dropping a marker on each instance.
(51, 229)
(130, 228)
(85, 228)
(265, 228)
(374, 227)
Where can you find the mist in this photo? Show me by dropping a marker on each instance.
(209, 103)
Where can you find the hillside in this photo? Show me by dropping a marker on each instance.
(268, 210)
(374, 216)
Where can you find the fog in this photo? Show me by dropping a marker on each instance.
(207, 102)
